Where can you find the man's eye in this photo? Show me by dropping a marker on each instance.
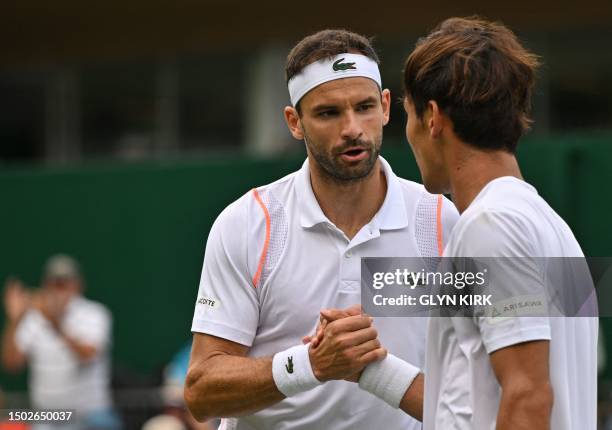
(365, 107)
(327, 113)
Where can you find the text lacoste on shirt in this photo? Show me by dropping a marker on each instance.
(209, 302)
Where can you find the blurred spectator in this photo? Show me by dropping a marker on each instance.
(65, 339)
(175, 414)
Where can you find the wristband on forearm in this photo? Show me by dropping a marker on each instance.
(388, 379)
(292, 371)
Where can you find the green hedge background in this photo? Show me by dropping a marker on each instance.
(139, 230)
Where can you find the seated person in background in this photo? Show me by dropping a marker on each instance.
(175, 414)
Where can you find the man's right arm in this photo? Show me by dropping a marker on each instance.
(13, 359)
(16, 302)
(222, 381)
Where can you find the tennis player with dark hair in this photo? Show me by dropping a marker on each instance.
(283, 252)
(468, 88)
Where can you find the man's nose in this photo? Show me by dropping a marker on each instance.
(351, 127)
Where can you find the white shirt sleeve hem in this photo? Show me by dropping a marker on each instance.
(223, 331)
(524, 335)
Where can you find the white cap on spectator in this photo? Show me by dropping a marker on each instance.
(61, 266)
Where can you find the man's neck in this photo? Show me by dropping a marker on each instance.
(352, 204)
(472, 169)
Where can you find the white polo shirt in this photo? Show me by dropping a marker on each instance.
(274, 260)
(58, 379)
(509, 219)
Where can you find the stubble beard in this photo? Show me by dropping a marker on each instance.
(334, 168)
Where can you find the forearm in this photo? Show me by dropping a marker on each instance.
(12, 358)
(525, 408)
(412, 402)
(523, 373)
(224, 386)
(85, 352)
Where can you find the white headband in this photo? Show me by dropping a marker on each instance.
(325, 70)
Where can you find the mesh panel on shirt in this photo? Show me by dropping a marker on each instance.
(279, 230)
(426, 229)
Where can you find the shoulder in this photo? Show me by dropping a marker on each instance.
(85, 307)
(410, 187)
(503, 221)
(249, 208)
(417, 196)
(493, 231)
(433, 216)
(244, 230)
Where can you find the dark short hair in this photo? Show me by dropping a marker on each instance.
(481, 77)
(326, 44)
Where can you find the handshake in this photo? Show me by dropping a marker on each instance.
(345, 346)
(345, 342)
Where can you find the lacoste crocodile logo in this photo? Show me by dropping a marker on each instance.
(289, 365)
(340, 66)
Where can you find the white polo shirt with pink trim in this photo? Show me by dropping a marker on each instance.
(273, 260)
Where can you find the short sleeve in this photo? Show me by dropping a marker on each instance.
(499, 242)
(227, 305)
(28, 327)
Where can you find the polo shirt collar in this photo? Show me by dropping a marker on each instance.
(310, 211)
(391, 215)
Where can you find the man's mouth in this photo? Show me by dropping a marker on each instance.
(354, 154)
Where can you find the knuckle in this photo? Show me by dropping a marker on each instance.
(350, 355)
(368, 357)
(365, 359)
(339, 343)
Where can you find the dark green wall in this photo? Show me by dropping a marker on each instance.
(139, 230)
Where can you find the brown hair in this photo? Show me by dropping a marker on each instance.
(326, 44)
(480, 76)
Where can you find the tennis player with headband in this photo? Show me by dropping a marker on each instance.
(284, 252)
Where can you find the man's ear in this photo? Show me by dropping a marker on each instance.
(293, 122)
(435, 120)
(385, 98)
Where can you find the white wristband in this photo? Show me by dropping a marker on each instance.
(388, 379)
(292, 371)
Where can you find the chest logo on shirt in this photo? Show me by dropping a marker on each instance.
(209, 302)
(289, 365)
